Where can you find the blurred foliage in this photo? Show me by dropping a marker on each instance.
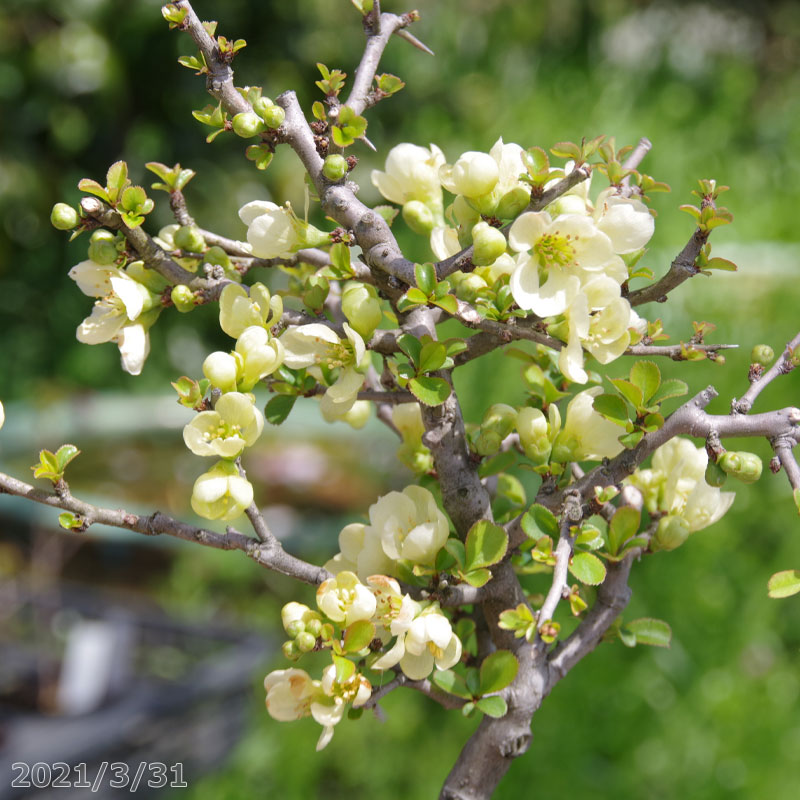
(715, 86)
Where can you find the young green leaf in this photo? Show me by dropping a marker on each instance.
(539, 520)
(492, 706)
(784, 583)
(498, 670)
(486, 544)
(451, 682)
(358, 635)
(430, 391)
(587, 568)
(426, 278)
(647, 376)
(654, 632)
(624, 525)
(279, 408)
(612, 407)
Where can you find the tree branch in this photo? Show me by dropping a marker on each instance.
(268, 553)
(780, 367)
(681, 269)
(675, 351)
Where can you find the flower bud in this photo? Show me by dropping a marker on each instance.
(513, 203)
(715, 475)
(533, 432)
(262, 105)
(419, 217)
(362, 308)
(182, 298)
(274, 116)
(487, 443)
(334, 168)
(306, 642)
(64, 217)
(188, 238)
(744, 466)
(762, 354)
(314, 625)
(672, 532)
(498, 421)
(489, 244)
(290, 650)
(472, 175)
(221, 369)
(103, 248)
(247, 124)
(469, 287)
(216, 255)
(295, 628)
(316, 292)
(359, 414)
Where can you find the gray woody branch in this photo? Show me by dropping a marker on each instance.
(268, 552)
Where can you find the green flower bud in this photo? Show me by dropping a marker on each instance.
(362, 308)
(274, 117)
(565, 448)
(469, 287)
(489, 244)
(487, 443)
(465, 212)
(262, 106)
(672, 532)
(316, 292)
(500, 418)
(314, 626)
(188, 238)
(154, 281)
(762, 354)
(103, 248)
(290, 651)
(715, 475)
(334, 168)
(295, 628)
(419, 217)
(533, 431)
(182, 298)
(744, 466)
(216, 255)
(247, 124)
(306, 642)
(513, 203)
(64, 217)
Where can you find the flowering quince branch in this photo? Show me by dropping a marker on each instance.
(438, 588)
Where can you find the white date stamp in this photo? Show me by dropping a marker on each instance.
(115, 774)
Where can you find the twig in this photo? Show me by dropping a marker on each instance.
(675, 351)
(633, 160)
(269, 554)
(780, 367)
(681, 269)
(783, 449)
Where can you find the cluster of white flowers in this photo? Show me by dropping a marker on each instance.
(124, 313)
(403, 526)
(424, 640)
(566, 264)
(675, 487)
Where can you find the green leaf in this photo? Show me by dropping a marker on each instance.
(467, 709)
(447, 303)
(451, 682)
(133, 198)
(358, 635)
(389, 84)
(510, 487)
(411, 346)
(630, 440)
(486, 544)
(492, 706)
(631, 392)
(784, 583)
(654, 632)
(47, 466)
(116, 180)
(456, 549)
(93, 187)
(720, 263)
(70, 522)
(499, 463)
(672, 387)
(566, 150)
(647, 376)
(432, 357)
(426, 278)
(64, 455)
(498, 670)
(417, 296)
(430, 391)
(612, 407)
(345, 669)
(587, 568)
(624, 525)
(477, 577)
(540, 520)
(279, 407)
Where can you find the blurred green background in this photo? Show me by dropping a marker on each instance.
(715, 86)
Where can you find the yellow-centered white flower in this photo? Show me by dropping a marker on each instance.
(345, 599)
(235, 423)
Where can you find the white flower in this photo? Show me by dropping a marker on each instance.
(115, 317)
(345, 599)
(626, 221)
(270, 229)
(561, 250)
(411, 525)
(239, 310)
(444, 242)
(221, 493)
(258, 354)
(317, 345)
(411, 173)
(235, 423)
(361, 552)
(473, 175)
(587, 436)
(675, 484)
(290, 693)
(509, 165)
(428, 642)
